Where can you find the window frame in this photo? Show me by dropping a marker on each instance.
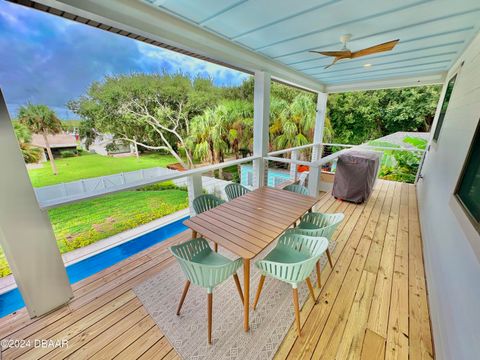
(440, 119)
(475, 223)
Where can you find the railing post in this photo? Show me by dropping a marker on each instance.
(314, 180)
(194, 186)
(293, 166)
(319, 125)
(261, 119)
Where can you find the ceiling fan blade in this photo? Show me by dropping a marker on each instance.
(375, 49)
(340, 53)
(333, 63)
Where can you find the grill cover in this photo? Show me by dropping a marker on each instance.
(355, 175)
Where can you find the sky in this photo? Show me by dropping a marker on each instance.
(45, 59)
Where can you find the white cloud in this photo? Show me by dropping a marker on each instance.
(175, 62)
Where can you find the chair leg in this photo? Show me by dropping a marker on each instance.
(184, 294)
(215, 247)
(210, 306)
(310, 288)
(297, 310)
(259, 290)
(319, 282)
(239, 288)
(329, 256)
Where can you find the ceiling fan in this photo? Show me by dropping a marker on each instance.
(345, 53)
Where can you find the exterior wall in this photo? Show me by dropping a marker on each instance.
(451, 245)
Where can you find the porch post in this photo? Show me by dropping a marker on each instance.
(293, 167)
(261, 119)
(194, 186)
(319, 125)
(26, 234)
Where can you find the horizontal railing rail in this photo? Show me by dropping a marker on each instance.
(103, 190)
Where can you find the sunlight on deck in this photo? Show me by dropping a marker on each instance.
(373, 304)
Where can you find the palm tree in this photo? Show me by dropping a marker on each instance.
(40, 119)
(24, 136)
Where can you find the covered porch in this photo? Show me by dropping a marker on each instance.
(373, 304)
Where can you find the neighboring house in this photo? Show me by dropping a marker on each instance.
(102, 141)
(58, 143)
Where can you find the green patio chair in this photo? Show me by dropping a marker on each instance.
(299, 189)
(235, 190)
(292, 261)
(320, 225)
(205, 268)
(206, 202)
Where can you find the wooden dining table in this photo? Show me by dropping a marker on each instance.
(248, 224)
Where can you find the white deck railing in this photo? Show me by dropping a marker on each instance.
(65, 193)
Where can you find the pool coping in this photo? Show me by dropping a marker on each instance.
(8, 283)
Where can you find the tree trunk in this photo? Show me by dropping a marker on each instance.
(50, 155)
(136, 147)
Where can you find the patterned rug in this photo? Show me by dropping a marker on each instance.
(187, 333)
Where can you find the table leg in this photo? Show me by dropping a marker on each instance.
(246, 293)
(194, 234)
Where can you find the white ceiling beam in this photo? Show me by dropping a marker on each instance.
(140, 18)
(391, 83)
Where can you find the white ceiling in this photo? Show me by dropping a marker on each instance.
(432, 33)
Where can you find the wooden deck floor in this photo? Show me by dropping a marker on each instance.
(373, 305)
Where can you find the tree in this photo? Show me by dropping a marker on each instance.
(152, 110)
(40, 119)
(366, 115)
(30, 153)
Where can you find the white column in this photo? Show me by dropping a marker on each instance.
(261, 120)
(319, 124)
(26, 234)
(194, 186)
(314, 180)
(293, 167)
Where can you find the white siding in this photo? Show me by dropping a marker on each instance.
(450, 243)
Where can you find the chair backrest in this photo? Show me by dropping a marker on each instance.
(295, 272)
(235, 190)
(205, 202)
(299, 189)
(204, 275)
(325, 224)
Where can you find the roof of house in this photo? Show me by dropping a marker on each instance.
(398, 137)
(55, 141)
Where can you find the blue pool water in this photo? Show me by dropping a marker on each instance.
(11, 301)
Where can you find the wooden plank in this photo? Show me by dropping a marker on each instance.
(378, 318)
(313, 327)
(352, 338)
(132, 310)
(159, 350)
(141, 345)
(397, 333)
(373, 346)
(420, 336)
(67, 326)
(333, 329)
(110, 343)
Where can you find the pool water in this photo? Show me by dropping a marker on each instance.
(11, 301)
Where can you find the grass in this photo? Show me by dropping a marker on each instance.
(93, 165)
(80, 224)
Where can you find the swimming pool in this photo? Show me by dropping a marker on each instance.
(12, 300)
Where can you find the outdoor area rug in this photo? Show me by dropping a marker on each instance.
(187, 333)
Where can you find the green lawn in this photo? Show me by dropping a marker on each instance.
(80, 224)
(92, 165)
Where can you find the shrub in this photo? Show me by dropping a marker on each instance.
(68, 153)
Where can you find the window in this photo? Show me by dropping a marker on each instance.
(468, 188)
(443, 110)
